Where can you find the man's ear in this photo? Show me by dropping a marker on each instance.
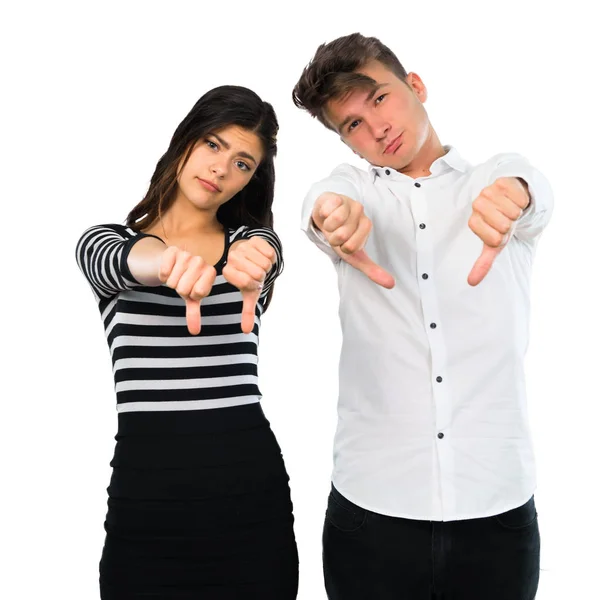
(417, 86)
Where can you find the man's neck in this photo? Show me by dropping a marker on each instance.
(431, 150)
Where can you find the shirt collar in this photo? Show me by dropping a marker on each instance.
(452, 159)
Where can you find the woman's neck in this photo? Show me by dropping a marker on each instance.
(181, 221)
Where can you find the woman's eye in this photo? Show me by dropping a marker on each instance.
(242, 165)
(380, 98)
(212, 145)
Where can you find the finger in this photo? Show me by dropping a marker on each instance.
(244, 265)
(253, 255)
(483, 265)
(496, 219)
(515, 189)
(485, 232)
(192, 315)
(249, 301)
(181, 263)
(262, 257)
(343, 233)
(190, 276)
(505, 198)
(359, 238)
(167, 263)
(337, 218)
(359, 260)
(326, 204)
(262, 246)
(489, 201)
(239, 279)
(203, 285)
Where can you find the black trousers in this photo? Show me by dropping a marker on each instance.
(367, 556)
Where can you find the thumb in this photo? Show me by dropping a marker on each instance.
(249, 300)
(361, 261)
(483, 265)
(192, 315)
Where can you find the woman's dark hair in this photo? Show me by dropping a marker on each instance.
(220, 107)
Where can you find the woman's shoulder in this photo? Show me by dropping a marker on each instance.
(117, 228)
(245, 229)
(108, 230)
(237, 233)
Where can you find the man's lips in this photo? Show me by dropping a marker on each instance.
(209, 185)
(393, 145)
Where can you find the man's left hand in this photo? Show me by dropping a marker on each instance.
(495, 213)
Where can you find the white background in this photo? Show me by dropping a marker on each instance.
(92, 94)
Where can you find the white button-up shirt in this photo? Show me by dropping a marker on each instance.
(432, 411)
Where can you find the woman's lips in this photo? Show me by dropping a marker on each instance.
(208, 185)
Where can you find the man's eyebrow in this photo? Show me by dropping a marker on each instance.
(350, 118)
(227, 146)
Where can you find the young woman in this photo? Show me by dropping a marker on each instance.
(199, 503)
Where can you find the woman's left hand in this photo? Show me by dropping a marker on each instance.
(248, 263)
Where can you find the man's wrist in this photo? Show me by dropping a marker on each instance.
(526, 186)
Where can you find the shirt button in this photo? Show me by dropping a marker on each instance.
(417, 184)
(425, 276)
(387, 171)
(433, 325)
(440, 435)
(439, 379)
(422, 226)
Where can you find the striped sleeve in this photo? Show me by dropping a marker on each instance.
(101, 254)
(267, 234)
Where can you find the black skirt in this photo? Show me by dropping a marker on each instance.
(199, 507)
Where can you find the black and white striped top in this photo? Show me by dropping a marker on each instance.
(157, 364)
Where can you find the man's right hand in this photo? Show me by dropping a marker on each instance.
(346, 228)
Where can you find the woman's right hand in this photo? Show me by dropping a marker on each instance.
(191, 278)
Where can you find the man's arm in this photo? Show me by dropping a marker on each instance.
(516, 201)
(336, 223)
(339, 182)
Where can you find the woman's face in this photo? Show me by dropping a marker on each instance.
(220, 165)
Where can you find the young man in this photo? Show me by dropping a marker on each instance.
(434, 473)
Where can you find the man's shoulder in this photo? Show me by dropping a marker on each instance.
(482, 173)
(500, 159)
(352, 171)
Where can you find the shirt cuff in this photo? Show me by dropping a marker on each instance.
(336, 184)
(536, 216)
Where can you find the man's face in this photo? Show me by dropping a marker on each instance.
(388, 126)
